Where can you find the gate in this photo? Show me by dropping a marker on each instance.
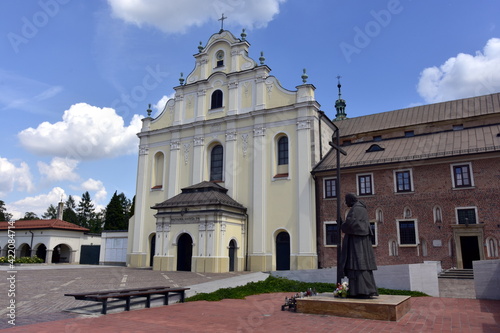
(89, 254)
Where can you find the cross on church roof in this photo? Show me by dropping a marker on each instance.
(222, 22)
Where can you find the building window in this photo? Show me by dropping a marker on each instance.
(491, 247)
(283, 150)
(373, 233)
(403, 181)
(330, 188)
(438, 214)
(409, 134)
(407, 232)
(158, 171)
(462, 175)
(331, 233)
(216, 99)
(365, 185)
(466, 215)
(379, 215)
(393, 248)
(220, 58)
(216, 163)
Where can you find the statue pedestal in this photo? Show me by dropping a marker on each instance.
(383, 307)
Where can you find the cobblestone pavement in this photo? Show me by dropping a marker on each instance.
(40, 292)
(262, 313)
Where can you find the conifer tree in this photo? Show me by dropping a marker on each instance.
(51, 213)
(4, 216)
(69, 214)
(117, 213)
(86, 211)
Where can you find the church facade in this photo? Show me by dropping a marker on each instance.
(224, 172)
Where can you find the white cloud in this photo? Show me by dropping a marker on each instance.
(59, 169)
(37, 204)
(14, 178)
(178, 16)
(463, 76)
(86, 132)
(97, 187)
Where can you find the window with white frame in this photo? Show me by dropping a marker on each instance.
(461, 175)
(331, 233)
(329, 188)
(492, 247)
(403, 181)
(365, 184)
(407, 232)
(466, 215)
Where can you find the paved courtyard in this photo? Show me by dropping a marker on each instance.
(42, 306)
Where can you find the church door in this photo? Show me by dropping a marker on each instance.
(152, 250)
(283, 251)
(232, 255)
(470, 250)
(184, 252)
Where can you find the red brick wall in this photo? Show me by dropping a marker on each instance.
(432, 185)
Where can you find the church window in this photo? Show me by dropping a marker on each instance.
(466, 215)
(283, 150)
(438, 214)
(492, 247)
(403, 181)
(220, 58)
(216, 163)
(216, 99)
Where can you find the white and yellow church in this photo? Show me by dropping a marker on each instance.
(224, 172)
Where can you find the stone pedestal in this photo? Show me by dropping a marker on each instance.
(383, 307)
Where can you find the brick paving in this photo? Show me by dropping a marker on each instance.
(41, 305)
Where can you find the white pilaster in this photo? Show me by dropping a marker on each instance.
(173, 176)
(259, 233)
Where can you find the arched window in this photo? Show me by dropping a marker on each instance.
(283, 150)
(407, 212)
(216, 163)
(380, 215)
(393, 248)
(491, 247)
(438, 216)
(216, 99)
(158, 171)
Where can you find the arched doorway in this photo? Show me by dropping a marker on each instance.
(232, 255)
(61, 254)
(152, 250)
(24, 250)
(41, 252)
(283, 251)
(184, 252)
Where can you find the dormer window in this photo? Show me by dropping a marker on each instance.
(220, 58)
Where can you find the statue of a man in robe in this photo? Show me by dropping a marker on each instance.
(357, 257)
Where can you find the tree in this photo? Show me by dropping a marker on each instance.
(117, 213)
(51, 212)
(86, 210)
(29, 216)
(69, 214)
(4, 216)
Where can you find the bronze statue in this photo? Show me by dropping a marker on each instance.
(357, 257)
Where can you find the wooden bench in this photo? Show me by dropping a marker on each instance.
(127, 294)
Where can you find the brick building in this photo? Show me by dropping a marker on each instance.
(430, 176)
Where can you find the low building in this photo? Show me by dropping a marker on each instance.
(54, 241)
(430, 176)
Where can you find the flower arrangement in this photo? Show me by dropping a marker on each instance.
(342, 290)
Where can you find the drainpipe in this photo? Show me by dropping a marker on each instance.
(31, 243)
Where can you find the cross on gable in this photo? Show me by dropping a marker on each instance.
(222, 22)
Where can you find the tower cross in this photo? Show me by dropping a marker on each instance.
(222, 21)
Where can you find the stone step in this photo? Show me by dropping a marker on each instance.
(457, 274)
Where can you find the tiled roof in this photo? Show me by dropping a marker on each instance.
(425, 114)
(443, 144)
(41, 224)
(204, 193)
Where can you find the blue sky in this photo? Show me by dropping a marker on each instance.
(76, 76)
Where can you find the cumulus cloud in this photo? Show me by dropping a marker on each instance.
(37, 204)
(14, 177)
(86, 132)
(178, 16)
(160, 105)
(97, 187)
(463, 76)
(59, 169)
